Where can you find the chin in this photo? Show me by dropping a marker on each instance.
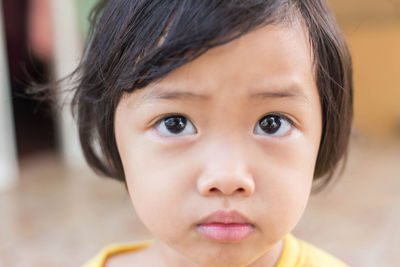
(223, 258)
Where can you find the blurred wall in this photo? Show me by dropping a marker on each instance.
(372, 28)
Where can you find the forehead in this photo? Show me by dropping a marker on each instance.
(273, 61)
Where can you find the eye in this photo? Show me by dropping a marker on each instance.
(175, 125)
(273, 125)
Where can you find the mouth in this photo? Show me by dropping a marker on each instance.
(225, 226)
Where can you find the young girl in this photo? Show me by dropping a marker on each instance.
(218, 116)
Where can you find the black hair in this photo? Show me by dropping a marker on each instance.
(136, 42)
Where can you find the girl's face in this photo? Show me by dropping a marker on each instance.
(235, 131)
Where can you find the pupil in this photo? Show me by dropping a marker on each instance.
(175, 124)
(270, 124)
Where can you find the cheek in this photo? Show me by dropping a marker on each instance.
(284, 181)
(148, 173)
(158, 186)
(292, 160)
(284, 198)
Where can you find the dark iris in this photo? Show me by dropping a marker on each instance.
(270, 124)
(175, 124)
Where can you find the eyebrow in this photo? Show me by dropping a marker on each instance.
(163, 94)
(286, 93)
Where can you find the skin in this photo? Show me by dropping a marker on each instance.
(224, 163)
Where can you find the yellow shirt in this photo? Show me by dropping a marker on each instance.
(295, 253)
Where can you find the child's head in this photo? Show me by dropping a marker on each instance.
(202, 106)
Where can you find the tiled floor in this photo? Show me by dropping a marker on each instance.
(61, 217)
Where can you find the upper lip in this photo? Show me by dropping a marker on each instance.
(222, 216)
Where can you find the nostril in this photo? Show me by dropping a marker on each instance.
(214, 189)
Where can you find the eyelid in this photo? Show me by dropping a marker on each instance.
(157, 120)
(283, 115)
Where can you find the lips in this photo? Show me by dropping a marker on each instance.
(225, 226)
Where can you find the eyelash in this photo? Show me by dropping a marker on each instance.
(281, 117)
(161, 120)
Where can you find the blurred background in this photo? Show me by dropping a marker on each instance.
(56, 212)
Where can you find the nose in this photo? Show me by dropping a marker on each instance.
(227, 178)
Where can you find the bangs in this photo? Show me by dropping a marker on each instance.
(179, 32)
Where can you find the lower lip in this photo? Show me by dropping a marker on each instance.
(222, 232)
